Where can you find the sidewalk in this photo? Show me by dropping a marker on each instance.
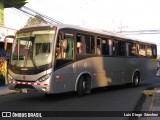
(152, 104)
(4, 90)
(155, 104)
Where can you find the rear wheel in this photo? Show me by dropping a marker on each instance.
(84, 85)
(136, 79)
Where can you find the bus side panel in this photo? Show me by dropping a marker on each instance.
(146, 67)
(95, 67)
(149, 69)
(118, 69)
(64, 79)
(132, 65)
(105, 70)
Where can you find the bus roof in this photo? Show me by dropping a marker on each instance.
(96, 31)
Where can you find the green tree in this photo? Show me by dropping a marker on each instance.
(36, 20)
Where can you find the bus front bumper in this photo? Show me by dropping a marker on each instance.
(29, 86)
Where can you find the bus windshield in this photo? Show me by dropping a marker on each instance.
(32, 49)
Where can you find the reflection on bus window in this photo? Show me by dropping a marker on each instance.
(42, 48)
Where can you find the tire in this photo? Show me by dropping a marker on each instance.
(48, 95)
(84, 85)
(136, 79)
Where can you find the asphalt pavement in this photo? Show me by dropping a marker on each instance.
(151, 104)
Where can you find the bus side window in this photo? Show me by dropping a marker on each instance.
(149, 51)
(154, 49)
(81, 44)
(92, 40)
(58, 48)
(98, 50)
(141, 50)
(114, 47)
(132, 49)
(121, 48)
(69, 50)
(105, 47)
(85, 44)
(90, 44)
(64, 46)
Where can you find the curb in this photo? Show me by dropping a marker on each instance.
(4, 90)
(9, 93)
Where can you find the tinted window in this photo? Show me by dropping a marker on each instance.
(85, 44)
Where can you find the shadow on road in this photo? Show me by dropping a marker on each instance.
(35, 96)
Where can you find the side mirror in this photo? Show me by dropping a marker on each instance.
(9, 39)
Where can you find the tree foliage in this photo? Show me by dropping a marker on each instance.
(36, 20)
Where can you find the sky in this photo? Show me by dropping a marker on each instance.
(111, 15)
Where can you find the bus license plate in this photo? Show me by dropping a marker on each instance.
(24, 91)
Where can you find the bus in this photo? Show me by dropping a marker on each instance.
(5, 48)
(60, 58)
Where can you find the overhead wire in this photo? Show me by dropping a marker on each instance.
(33, 13)
(12, 11)
(138, 32)
(25, 9)
(30, 12)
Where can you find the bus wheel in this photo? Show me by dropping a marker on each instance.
(136, 79)
(84, 85)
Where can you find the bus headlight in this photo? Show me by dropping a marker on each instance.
(45, 77)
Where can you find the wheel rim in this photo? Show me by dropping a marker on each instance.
(84, 85)
(136, 80)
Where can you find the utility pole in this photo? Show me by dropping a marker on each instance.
(121, 27)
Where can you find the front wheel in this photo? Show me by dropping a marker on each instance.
(136, 80)
(84, 85)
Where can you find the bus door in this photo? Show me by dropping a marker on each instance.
(64, 62)
(8, 45)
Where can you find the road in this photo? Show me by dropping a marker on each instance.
(115, 98)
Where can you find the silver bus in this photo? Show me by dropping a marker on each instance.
(61, 58)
